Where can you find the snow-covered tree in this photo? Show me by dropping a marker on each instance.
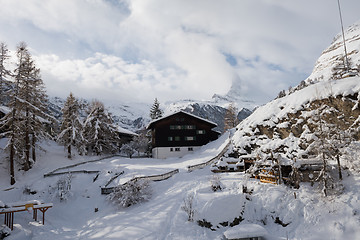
(33, 103)
(24, 124)
(4, 72)
(155, 111)
(322, 147)
(128, 149)
(141, 143)
(99, 132)
(230, 118)
(133, 192)
(189, 207)
(71, 126)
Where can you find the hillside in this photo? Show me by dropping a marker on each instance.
(308, 215)
(289, 125)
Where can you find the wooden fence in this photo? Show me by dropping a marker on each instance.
(69, 172)
(53, 173)
(202, 165)
(160, 177)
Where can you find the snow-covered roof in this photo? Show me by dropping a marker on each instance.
(125, 131)
(4, 109)
(245, 231)
(181, 111)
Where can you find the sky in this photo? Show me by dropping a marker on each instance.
(138, 50)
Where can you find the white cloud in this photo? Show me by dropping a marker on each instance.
(142, 49)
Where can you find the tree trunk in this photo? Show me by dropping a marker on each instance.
(69, 151)
(12, 153)
(339, 166)
(33, 147)
(27, 142)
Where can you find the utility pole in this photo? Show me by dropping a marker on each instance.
(346, 60)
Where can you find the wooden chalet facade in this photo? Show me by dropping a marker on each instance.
(179, 134)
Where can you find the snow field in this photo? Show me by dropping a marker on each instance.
(309, 215)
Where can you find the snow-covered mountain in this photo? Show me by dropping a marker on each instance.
(286, 126)
(135, 116)
(333, 56)
(325, 101)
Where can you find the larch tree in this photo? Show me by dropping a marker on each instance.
(155, 111)
(12, 120)
(25, 121)
(230, 118)
(100, 133)
(32, 102)
(71, 134)
(4, 72)
(38, 102)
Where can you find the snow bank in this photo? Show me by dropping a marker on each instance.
(245, 231)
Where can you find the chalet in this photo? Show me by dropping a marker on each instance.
(125, 135)
(180, 133)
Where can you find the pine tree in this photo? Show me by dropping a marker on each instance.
(155, 111)
(230, 118)
(100, 134)
(71, 126)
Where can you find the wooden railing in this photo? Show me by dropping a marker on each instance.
(10, 210)
(53, 173)
(160, 177)
(69, 172)
(202, 165)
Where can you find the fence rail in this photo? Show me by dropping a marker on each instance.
(78, 164)
(160, 177)
(202, 165)
(69, 172)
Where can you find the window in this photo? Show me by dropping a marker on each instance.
(177, 138)
(200, 132)
(177, 149)
(170, 139)
(189, 127)
(190, 149)
(175, 127)
(190, 138)
(171, 149)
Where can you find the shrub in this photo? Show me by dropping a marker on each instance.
(216, 184)
(188, 207)
(64, 187)
(131, 193)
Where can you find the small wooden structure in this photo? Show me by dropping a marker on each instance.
(10, 209)
(268, 176)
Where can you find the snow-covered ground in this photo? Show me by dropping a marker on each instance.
(309, 215)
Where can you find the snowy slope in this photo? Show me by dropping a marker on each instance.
(286, 122)
(334, 54)
(308, 216)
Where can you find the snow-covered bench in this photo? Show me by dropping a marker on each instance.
(11, 208)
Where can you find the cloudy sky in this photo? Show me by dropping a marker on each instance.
(136, 50)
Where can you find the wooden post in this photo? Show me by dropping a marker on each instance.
(12, 221)
(35, 214)
(43, 210)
